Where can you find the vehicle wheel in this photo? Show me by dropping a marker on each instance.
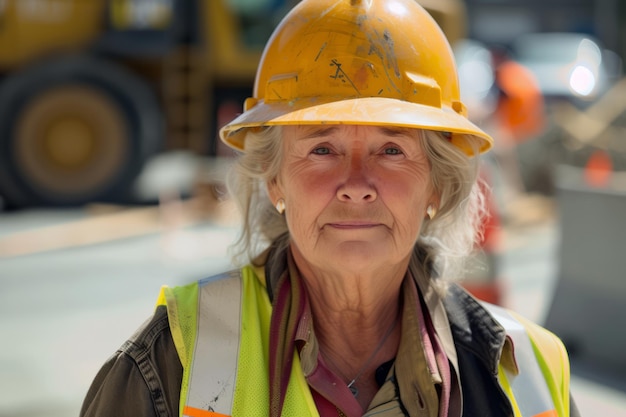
(74, 131)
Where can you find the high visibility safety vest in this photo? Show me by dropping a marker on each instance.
(220, 327)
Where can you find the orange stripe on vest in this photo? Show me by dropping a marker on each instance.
(196, 412)
(550, 413)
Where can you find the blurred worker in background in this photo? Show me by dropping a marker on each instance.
(504, 98)
(519, 116)
(357, 181)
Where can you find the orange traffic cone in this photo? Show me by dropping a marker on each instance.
(598, 169)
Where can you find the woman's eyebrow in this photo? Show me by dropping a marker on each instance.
(315, 132)
(396, 131)
(311, 132)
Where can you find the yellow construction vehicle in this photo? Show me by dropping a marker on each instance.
(89, 89)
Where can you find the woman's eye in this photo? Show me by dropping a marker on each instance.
(321, 150)
(392, 151)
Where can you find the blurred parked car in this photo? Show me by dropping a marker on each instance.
(574, 66)
(586, 101)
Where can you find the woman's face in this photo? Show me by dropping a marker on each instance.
(355, 196)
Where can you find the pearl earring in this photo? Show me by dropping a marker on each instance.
(431, 212)
(280, 206)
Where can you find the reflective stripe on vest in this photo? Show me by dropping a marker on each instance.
(218, 324)
(225, 372)
(531, 396)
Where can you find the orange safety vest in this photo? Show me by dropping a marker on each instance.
(521, 111)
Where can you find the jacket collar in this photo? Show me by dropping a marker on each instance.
(473, 327)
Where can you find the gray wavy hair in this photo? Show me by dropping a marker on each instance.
(444, 241)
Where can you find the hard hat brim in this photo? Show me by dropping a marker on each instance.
(375, 111)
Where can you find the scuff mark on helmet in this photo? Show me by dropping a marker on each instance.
(321, 50)
(383, 47)
(341, 75)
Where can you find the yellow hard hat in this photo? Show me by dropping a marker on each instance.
(367, 62)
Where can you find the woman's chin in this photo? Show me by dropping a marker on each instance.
(360, 253)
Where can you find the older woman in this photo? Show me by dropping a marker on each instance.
(357, 181)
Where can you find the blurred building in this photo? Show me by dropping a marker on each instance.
(501, 21)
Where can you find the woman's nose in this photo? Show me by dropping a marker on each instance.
(357, 186)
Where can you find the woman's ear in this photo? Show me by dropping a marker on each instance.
(274, 191)
(433, 206)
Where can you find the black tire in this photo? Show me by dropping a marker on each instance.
(97, 110)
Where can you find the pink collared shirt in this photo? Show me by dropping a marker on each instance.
(431, 369)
